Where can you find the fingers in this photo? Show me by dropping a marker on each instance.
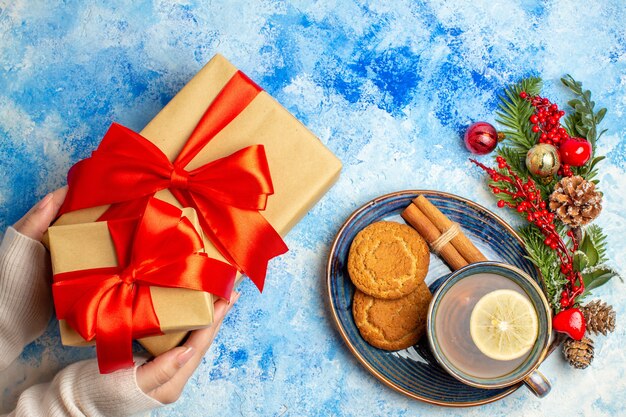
(162, 369)
(58, 197)
(36, 221)
(165, 377)
(201, 339)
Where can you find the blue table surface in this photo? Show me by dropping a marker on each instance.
(389, 87)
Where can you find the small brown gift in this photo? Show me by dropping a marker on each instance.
(89, 246)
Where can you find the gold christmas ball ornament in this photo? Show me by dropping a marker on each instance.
(543, 160)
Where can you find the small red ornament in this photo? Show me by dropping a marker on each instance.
(575, 151)
(481, 138)
(570, 322)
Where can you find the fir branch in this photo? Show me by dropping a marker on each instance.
(546, 261)
(531, 85)
(516, 159)
(515, 112)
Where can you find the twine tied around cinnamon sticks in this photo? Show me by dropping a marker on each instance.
(444, 237)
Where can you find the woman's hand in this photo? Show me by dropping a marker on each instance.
(165, 377)
(35, 223)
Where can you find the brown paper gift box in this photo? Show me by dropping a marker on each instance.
(89, 245)
(302, 168)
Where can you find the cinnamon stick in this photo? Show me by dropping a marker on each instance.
(414, 216)
(460, 242)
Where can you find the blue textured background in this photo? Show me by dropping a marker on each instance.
(389, 88)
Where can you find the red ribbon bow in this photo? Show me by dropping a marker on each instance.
(227, 193)
(114, 304)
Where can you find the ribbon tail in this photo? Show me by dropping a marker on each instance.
(244, 237)
(272, 246)
(114, 330)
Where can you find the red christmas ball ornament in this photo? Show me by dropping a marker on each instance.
(575, 151)
(570, 322)
(481, 138)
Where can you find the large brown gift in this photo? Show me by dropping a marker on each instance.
(302, 168)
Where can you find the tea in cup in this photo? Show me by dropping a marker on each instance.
(489, 326)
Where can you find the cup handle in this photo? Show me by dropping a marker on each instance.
(538, 384)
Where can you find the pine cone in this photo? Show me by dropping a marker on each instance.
(575, 201)
(579, 353)
(600, 317)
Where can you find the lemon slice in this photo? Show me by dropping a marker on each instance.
(504, 325)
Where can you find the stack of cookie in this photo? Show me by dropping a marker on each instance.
(387, 263)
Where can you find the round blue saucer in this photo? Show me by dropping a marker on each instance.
(414, 371)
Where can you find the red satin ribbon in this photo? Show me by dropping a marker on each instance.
(114, 305)
(228, 193)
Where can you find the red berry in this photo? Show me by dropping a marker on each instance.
(523, 94)
(534, 119)
(535, 128)
(570, 322)
(501, 203)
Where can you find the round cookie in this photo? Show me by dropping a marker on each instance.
(388, 260)
(392, 324)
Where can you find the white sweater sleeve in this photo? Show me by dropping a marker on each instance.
(25, 309)
(25, 299)
(80, 390)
